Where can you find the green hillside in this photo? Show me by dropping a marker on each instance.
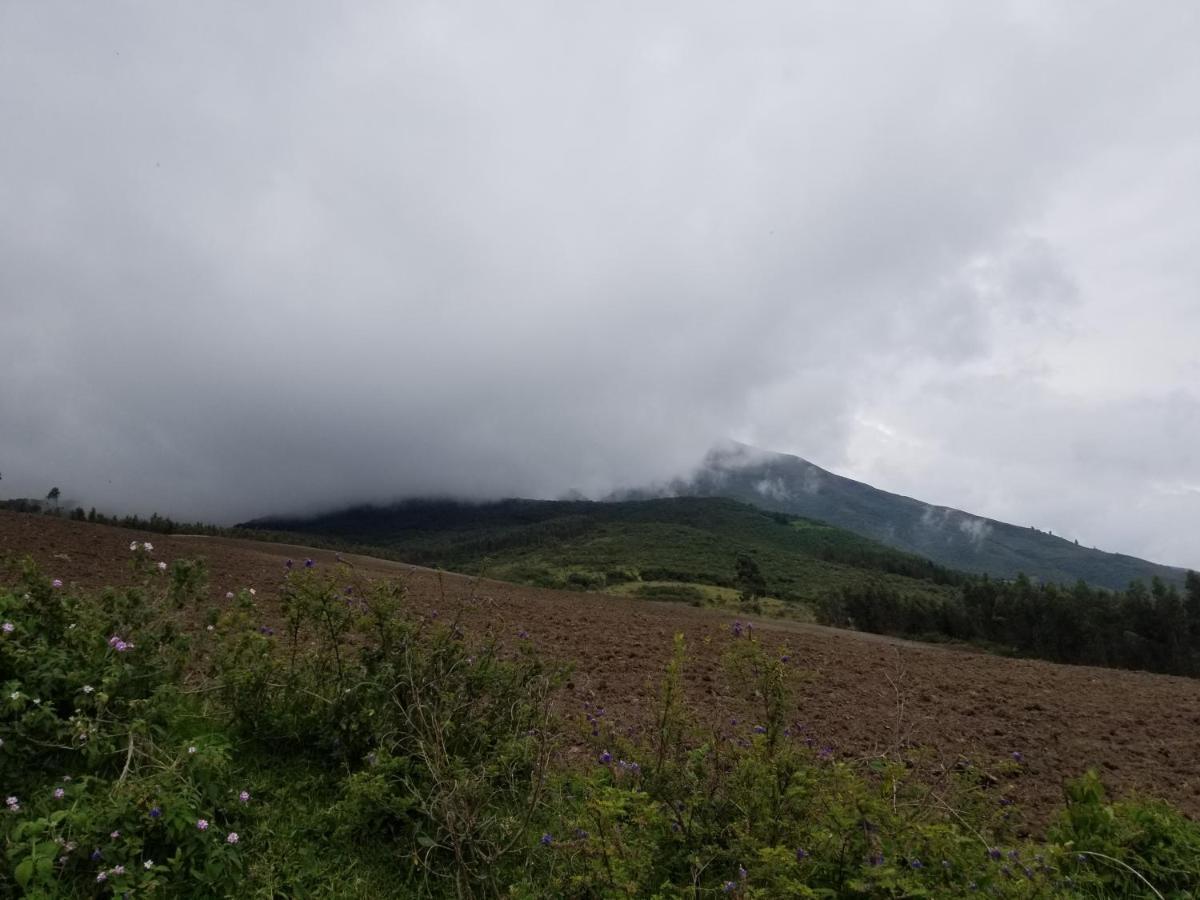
(689, 540)
(950, 537)
(701, 549)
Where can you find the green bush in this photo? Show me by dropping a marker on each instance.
(112, 780)
(347, 747)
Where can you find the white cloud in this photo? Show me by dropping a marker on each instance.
(259, 258)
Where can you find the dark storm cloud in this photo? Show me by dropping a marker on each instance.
(270, 257)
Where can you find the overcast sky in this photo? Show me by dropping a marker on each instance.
(271, 256)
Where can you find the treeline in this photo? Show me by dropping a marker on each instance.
(156, 523)
(1156, 629)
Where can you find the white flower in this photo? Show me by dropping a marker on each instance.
(15, 695)
(133, 545)
(7, 627)
(253, 592)
(148, 864)
(209, 628)
(87, 688)
(191, 749)
(229, 595)
(232, 838)
(162, 567)
(147, 546)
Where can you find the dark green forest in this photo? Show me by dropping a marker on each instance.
(1155, 628)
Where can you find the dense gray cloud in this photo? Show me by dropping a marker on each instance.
(269, 257)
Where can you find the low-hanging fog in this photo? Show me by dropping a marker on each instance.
(276, 256)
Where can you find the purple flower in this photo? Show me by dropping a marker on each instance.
(59, 793)
(97, 855)
(244, 796)
(737, 629)
(760, 729)
(522, 634)
(202, 824)
(7, 627)
(308, 563)
(916, 864)
(547, 840)
(1017, 757)
(605, 758)
(581, 834)
(287, 564)
(729, 887)
(801, 854)
(57, 582)
(995, 853)
(155, 812)
(231, 838)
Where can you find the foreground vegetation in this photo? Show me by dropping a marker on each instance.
(342, 746)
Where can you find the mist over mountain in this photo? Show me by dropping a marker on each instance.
(951, 537)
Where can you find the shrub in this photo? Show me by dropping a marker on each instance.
(391, 753)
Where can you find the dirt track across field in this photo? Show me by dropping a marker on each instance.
(1140, 731)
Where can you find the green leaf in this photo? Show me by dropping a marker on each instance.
(24, 872)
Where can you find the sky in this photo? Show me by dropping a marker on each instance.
(279, 256)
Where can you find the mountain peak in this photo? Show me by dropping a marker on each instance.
(951, 537)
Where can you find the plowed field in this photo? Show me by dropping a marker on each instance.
(858, 694)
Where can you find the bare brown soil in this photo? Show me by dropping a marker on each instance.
(859, 694)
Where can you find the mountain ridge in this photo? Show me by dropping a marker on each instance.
(961, 540)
